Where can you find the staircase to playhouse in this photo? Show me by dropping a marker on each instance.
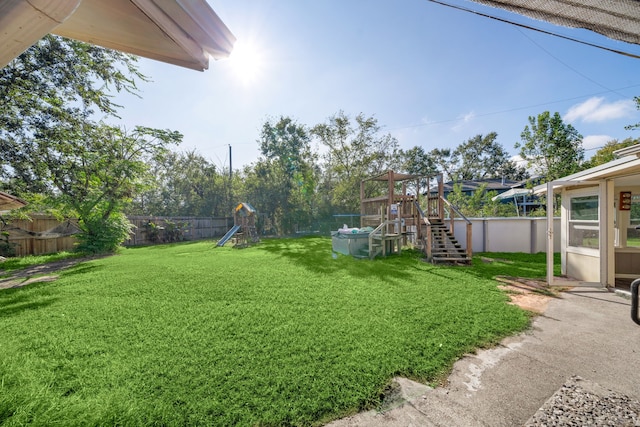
(399, 219)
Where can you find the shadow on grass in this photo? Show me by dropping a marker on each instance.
(491, 264)
(15, 301)
(316, 255)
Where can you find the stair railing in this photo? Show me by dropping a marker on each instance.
(429, 239)
(452, 222)
(381, 230)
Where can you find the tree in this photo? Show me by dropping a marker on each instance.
(479, 204)
(49, 143)
(605, 154)
(552, 148)
(482, 157)
(417, 162)
(183, 184)
(637, 125)
(283, 181)
(93, 175)
(353, 152)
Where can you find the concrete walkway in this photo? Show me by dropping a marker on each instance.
(588, 333)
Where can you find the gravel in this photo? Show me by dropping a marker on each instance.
(583, 403)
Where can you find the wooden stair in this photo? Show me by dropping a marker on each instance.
(445, 248)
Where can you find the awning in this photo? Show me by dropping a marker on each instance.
(616, 19)
(514, 192)
(9, 202)
(178, 32)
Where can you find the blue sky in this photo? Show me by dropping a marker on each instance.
(433, 76)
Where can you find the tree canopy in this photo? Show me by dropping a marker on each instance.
(552, 148)
(50, 143)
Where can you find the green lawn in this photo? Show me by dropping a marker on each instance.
(277, 334)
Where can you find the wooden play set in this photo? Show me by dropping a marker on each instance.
(244, 227)
(398, 218)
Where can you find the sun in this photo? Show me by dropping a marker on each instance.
(246, 62)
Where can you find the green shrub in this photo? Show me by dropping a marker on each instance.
(104, 235)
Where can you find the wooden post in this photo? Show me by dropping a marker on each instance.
(362, 208)
(469, 241)
(441, 196)
(429, 242)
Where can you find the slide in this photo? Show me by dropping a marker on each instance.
(229, 235)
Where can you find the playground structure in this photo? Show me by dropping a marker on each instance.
(398, 219)
(244, 228)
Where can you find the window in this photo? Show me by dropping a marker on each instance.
(584, 230)
(633, 233)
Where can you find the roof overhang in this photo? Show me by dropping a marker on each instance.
(9, 202)
(180, 32)
(619, 168)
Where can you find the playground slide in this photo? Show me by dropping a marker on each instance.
(228, 236)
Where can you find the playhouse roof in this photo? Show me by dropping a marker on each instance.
(396, 176)
(245, 207)
(9, 202)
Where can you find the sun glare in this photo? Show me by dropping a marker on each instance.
(246, 61)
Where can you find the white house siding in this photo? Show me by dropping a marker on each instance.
(583, 267)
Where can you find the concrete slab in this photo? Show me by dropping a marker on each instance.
(587, 333)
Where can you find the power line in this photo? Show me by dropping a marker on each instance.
(509, 110)
(567, 65)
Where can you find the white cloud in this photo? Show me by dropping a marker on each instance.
(463, 120)
(597, 110)
(592, 142)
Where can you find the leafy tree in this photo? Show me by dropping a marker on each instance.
(183, 184)
(637, 125)
(552, 148)
(353, 152)
(605, 154)
(49, 143)
(92, 175)
(282, 183)
(482, 157)
(479, 204)
(417, 162)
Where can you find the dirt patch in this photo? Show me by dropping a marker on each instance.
(528, 294)
(39, 273)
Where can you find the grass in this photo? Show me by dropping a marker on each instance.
(12, 264)
(277, 334)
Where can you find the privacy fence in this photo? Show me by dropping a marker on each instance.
(47, 235)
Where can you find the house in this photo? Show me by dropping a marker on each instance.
(600, 221)
(184, 33)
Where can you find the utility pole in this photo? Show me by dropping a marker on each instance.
(231, 202)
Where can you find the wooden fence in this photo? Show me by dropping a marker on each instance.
(39, 236)
(151, 230)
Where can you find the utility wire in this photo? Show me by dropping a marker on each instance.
(512, 109)
(567, 65)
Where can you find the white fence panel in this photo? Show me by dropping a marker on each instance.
(528, 235)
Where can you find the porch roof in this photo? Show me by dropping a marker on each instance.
(618, 168)
(184, 33)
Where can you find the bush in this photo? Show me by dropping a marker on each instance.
(103, 235)
(7, 248)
